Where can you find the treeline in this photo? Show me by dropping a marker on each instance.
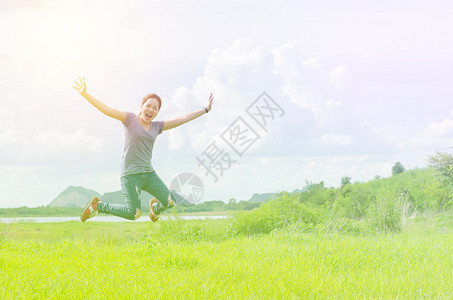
(46, 211)
(380, 205)
(216, 206)
(41, 211)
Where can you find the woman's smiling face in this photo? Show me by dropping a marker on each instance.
(149, 110)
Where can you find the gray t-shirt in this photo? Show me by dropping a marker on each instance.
(138, 145)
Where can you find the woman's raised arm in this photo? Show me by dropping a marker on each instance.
(111, 112)
(188, 117)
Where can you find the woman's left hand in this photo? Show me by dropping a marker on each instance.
(211, 99)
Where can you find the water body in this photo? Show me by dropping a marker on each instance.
(100, 219)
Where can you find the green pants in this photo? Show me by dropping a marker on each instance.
(132, 186)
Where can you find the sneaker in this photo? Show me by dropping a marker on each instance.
(153, 216)
(90, 210)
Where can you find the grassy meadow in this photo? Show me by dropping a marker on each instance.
(203, 260)
(390, 238)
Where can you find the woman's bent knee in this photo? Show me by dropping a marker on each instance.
(130, 214)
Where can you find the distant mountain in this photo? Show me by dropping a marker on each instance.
(260, 198)
(297, 191)
(77, 196)
(73, 196)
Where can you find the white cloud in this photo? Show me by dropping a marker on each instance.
(336, 139)
(239, 73)
(338, 75)
(442, 129)
(437, 135)
(313, 62)
(330, 104)
(9, 137)
(384, 135)
(78, 141)
(312, 83)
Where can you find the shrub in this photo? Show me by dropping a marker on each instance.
(388, 213)
(274, 214)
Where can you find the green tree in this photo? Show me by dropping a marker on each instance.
(398, 168)
(442, 189)
(231, 204)
(442, 163)
(345, 180)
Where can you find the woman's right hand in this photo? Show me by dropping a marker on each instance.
(80, 86)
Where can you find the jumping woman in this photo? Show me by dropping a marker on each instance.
(137, 173)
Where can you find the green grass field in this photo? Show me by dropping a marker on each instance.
(200, 260)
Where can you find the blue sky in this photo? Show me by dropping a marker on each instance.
(363, 84)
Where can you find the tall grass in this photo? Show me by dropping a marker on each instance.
(385, 213)
(199, 259)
